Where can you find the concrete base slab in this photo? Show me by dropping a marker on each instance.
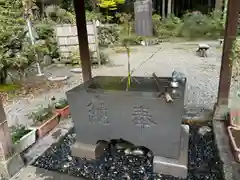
(34, 173)
(175, 167)
(81, 150)
(11, 166)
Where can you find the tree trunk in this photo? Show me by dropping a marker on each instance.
(219, 5)
(169, 8)
(163, 8)
(173, 3)
(3, 76)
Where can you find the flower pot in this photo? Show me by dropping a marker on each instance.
(234, 118)
(64, 112)
(47, 125)
(25, 141)
(234, 135)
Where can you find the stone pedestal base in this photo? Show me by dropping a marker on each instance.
(83, 150)
(10, 166)
(175, 167)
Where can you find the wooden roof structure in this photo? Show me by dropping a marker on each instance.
(226, 69)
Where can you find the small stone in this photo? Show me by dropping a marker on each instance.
(66, 165)
(69, 158)
(204, 130)
(204, 162)
(204, 46)
(76, 70)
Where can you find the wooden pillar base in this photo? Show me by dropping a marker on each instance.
(220, 112)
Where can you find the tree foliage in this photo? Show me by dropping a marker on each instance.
(11, 36)
(110, 4)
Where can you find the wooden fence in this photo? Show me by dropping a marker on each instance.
(67, 39)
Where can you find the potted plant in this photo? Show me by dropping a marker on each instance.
(234, 135)
(45, 119)
(62, 108)
(22, 137)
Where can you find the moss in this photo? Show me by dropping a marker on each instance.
(8, 87)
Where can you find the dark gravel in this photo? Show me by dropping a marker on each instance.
(204, 161)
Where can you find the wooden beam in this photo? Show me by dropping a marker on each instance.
(230, 36)
(83, 39)
(221, 107)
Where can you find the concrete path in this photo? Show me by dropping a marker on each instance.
(202, 74)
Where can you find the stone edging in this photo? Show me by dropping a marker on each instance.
(47, 141)
(230, 167)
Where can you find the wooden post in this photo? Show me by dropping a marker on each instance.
(83, 39)
(226, 68)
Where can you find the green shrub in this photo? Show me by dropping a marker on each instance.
(168, 27)
(195, 25)
(198, 25)
(108, 35)
(76, 59)
(46, 32)
(192, 25)
(217, 24)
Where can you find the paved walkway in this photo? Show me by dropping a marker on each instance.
(202, 74)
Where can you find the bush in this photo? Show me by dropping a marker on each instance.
(46, 32)
(75, 57)
(197, 25)
(108, 35)
(192, 25)
(168, 27)
(217, 24)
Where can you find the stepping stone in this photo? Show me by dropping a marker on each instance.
(58, 78)
(76, 70)
(202, 49)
